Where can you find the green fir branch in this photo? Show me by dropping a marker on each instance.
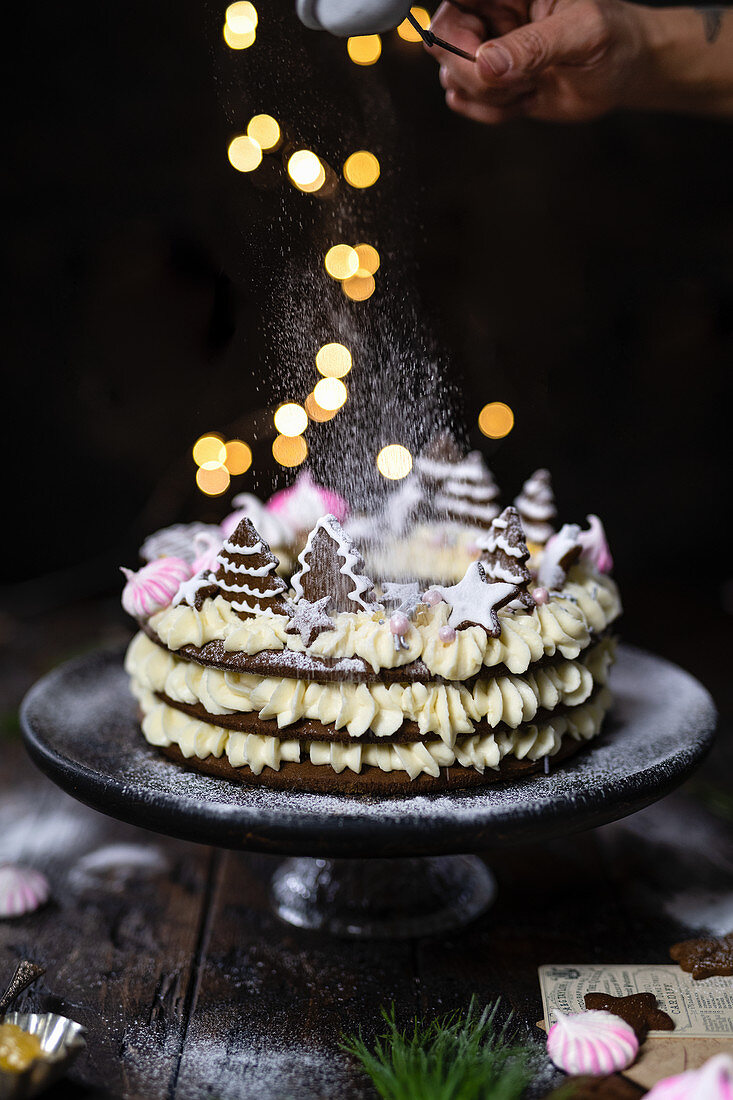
(469, 1057)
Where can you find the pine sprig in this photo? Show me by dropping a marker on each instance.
(469, 1057)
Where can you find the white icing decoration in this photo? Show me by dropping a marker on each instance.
(346, 550)
(475, 601)
(551, 574)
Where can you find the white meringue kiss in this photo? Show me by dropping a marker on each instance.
(154, 586)
(593, 1043)
(21, 890)
(713, 1081)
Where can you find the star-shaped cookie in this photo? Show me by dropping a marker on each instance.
(309, 620)
(705, 958)
(640, 1010)
(475, 602)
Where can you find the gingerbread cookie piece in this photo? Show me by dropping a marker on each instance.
(536, 507)
(330, 565)
(504, 553)
(640, 1010)
(246, 574)
(310, 620)
(705, 958)
(475, 602)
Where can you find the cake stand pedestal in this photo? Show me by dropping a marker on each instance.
(376, 866)
(382, 898)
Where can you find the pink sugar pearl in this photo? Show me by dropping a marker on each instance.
(447, 634)
(540, 596)
(431, 598)
(399, 624)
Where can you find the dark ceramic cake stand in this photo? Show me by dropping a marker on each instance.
(80, 727)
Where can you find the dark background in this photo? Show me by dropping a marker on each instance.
(583, 274)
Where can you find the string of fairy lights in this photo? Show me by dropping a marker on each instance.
(353, 266)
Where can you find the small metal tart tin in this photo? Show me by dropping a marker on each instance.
(61, 1041)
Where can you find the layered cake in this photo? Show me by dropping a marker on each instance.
(330, 680)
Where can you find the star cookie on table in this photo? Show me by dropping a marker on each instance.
(475, 602)
(640, 1010)
(705, 958)
(309, 620)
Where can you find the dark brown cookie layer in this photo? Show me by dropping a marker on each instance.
(322, 779)
(326, 670)
(639, 1010)
(307, 729)
(705, 958)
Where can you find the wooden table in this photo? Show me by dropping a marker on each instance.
(168, 953)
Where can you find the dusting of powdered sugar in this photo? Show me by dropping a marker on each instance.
(659, 728)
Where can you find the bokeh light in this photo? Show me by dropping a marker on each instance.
(244, 153)
(330, 393)
(369, 260)
(213, 479)
(364, 49)
(333, 361)
(406, 29)
(359, 287)
(238, 41)
(361, 169)
(317, 412)
(265, 130)
(496, 420)
(306, 171)
(291, 419)
(238, 457)
(289, 450)
(209, 448)
(241, 18)
(394, 461)
(342, 261)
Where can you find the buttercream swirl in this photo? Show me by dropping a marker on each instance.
(164, 726)
(587, 604)
(448, 710)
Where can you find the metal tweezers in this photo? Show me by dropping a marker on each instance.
(431, 39)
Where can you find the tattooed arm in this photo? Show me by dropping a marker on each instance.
(569, 60)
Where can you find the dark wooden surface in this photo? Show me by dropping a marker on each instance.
(189, 987)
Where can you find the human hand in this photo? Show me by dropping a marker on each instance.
(560, 60)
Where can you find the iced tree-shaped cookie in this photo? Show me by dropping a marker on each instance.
(504, 553)
(469, 495)
(246, 574)
(536, 507)
(330, 565)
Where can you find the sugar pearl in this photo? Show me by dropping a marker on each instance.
(540, 595)
(399, 624)
(431, 598)
(447, 634)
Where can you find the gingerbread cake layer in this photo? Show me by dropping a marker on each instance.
(360, 647)
(249, 755)
(446, 710)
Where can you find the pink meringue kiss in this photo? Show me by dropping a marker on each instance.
(154, 586)
(22, 890)
(592, 1043)
(305, 502)
(207, 547)
(595, 546)
(712, 1081)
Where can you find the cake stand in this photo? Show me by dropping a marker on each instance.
(363, 866)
